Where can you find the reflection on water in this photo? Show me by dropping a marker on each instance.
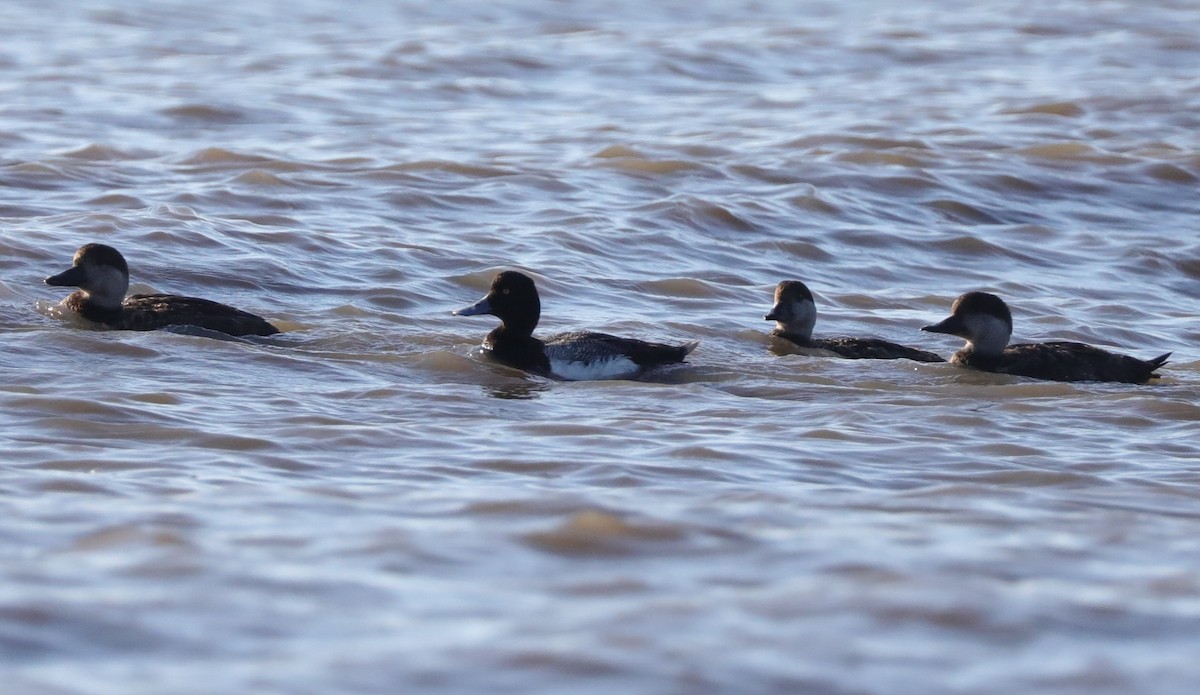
(366, 500)
(527, 390)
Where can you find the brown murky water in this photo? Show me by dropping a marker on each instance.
(363, 504)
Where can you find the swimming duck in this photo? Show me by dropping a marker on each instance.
(985, 322)
(578, 355)
(102, 276)
(795, 314)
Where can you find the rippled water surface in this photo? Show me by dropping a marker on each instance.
(365, 504)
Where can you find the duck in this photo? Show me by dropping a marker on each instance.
(102, 276)
(795, 314)
(985, 322)
(573, 356)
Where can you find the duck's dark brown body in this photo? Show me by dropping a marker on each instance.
(863, 348)
(148, 312)
(1062, 361)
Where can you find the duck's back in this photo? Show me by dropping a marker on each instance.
(1063, 361)
(873, 349)
(147, 312)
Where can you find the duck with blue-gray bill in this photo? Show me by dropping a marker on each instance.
(984, 321)
(579, 355)
(102, 276)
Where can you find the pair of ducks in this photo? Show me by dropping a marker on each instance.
(982, 319)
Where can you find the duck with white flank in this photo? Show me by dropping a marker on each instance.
(795, 314)
(102, 276)
(984, 321)
(579, 355)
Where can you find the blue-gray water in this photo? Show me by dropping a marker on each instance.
(364, 504)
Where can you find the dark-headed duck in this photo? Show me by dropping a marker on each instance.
(102, 276)
(985, 322)
(578, 355)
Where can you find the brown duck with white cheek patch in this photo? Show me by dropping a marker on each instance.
(795, 314)
(102, 276)
(580, 355)
(984, 321)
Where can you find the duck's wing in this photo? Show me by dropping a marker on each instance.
(151, 311)
(589, 346)
(1069, 361)
(590, 355)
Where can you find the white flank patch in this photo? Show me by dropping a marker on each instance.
(619, 367)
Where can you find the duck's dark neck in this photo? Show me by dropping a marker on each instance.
(971, 356)
(505, 335)
(516, 350)
(517, 327)
(797, 338)
(90, 309)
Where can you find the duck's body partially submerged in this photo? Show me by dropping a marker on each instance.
(985, 322)
(795, 314)
(102, 276)
(578, 355)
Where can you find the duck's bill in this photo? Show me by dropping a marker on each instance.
(951, 326)
(773, 315)
(68, 278)
(483, 306)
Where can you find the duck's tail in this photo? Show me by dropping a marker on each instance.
(1156, 363)
(686, 348)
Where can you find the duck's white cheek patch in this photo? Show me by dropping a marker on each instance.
(613, 368)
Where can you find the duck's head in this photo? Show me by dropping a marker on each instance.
(512, 298)
(981, 319)
(100, 271)
(795, 312)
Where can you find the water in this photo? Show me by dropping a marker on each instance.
(364, 504)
